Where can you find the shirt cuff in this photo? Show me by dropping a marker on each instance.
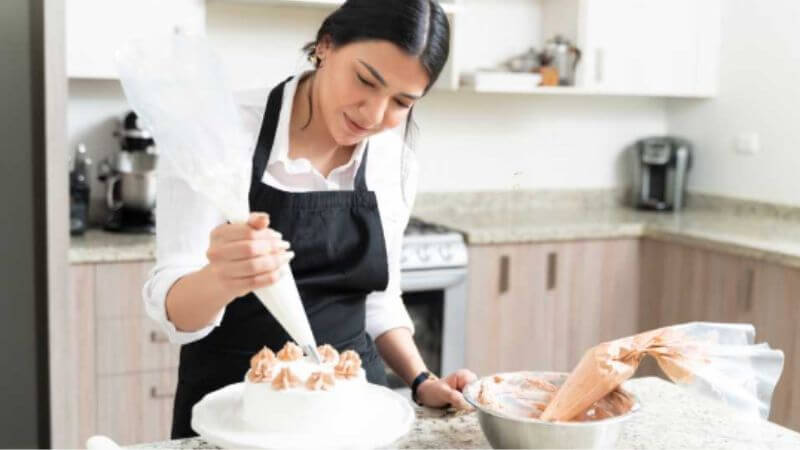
(154, 294)
(385, 312)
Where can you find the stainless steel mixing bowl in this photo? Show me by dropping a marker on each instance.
(507, 432)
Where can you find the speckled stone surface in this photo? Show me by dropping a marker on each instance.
(766, 232)
(97, 246)
(763, 231)
(670, 417)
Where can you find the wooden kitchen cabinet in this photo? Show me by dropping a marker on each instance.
(136, 408)
(541, 306)
(115, 359)
(682, 283)
(96, 29)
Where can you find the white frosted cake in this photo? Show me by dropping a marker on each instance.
(289, 392)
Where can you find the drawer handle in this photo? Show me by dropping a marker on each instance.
(505, 262)
(746, 290)
(158, 338)
(552, 262)
(155, 393)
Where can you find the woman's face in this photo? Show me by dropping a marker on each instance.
(367, 87)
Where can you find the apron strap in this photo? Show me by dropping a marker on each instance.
(266, 139)
(266, 136)
(360, 182)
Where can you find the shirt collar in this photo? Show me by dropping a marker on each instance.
(280, 147)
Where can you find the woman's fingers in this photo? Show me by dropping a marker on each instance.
(460, 379)
(457, 400)
(232, 232)
(256, 266)
(258, 220)
(447, 391)
(243, 250)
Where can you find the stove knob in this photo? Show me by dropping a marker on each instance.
(445, 252)
(424, 254)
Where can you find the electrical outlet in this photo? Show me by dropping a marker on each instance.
(748, 143)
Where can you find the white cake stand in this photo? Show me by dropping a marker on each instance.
(217, 418)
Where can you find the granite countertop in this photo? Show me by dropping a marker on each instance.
(765, 232)
(768, 239)
(670, 417)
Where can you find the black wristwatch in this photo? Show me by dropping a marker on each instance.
(421, 378)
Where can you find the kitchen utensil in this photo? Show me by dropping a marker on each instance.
(526, 62)
(564, 57)
(507, 432)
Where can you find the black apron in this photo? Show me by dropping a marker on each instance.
(340, 257)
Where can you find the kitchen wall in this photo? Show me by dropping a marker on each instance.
(759, 91)
(480, 141)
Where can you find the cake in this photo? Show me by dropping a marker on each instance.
(288, 391)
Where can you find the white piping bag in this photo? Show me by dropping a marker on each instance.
(176, 85)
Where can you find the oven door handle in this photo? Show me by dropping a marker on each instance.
(431, 279)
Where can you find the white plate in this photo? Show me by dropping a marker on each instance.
(217, 418)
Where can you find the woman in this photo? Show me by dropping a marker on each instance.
(331, 195)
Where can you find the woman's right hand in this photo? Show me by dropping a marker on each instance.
(245, 257)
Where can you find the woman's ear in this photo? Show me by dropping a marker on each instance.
(323, 48)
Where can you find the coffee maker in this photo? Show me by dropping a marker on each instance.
(130, 177)
(660, 171)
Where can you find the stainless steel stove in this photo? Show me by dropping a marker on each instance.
(434, 270)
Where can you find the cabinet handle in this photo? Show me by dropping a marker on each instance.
(746, 290)
(505, 263)
(552, 262)
(158, 338)
(155, 393)
(599, 65)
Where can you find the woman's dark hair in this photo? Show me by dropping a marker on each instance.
(420, 27)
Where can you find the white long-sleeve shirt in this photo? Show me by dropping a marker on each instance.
(184, 218)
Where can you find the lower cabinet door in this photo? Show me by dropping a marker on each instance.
(136, 408)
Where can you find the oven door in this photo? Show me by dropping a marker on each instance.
(436, 301)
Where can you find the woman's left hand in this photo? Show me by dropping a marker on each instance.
(446, 391)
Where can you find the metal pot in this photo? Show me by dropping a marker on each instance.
(507, 432)
(131, 182)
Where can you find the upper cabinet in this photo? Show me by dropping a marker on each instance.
(649, 47)
(663, 48)
(97, 28)
(659, 48)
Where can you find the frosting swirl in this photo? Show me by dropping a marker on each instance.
(290, 352)
(320, 381)
(261, 365)
(348, 366)
(285, 380)
(328, 353)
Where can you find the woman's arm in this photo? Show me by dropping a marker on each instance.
(184, 293)
(399, 351)
(242, 258)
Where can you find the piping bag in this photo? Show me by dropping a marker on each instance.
(717, 360)
(176, 85)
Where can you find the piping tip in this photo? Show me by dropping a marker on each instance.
(313, 353)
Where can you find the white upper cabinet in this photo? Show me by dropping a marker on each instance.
(649, 47)
(97, 28)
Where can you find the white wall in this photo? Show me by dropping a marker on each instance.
(759, 92)
(478, 141)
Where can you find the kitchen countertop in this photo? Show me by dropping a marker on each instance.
(759, 231)
(773, 240)
(670, 417)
